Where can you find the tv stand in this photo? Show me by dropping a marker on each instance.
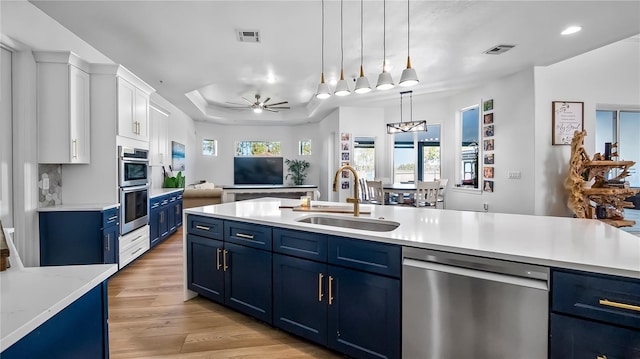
(243, 192)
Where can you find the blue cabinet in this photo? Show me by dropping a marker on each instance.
(165, 216)
(78, 331)
(238, 276)
(340, 299)
(594, 315)
(79, 237)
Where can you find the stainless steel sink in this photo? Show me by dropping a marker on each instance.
(376, 225)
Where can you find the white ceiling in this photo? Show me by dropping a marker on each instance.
(190, 47)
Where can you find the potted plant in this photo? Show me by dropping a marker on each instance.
(174, 182)
(297, 169)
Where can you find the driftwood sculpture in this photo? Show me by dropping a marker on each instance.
(575, 180)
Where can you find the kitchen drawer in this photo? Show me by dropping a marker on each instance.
(574, 338)
(134, 238)
(136, 250)
(601, 297)
(110, 217)
(205, 226)
(247, 234)
(300, 244)
(155, 202)
(365, 255)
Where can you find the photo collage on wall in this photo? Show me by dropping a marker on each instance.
(488, 145)
(345, 158)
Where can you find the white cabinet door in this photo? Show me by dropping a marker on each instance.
(133, 111)
(158, 130)
(63, 109)
(79, 114)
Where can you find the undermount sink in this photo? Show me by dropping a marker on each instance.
(376, 225)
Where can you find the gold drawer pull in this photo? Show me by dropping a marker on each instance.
(242, 235)
(619, 305)
(201, 227)
(320, 287)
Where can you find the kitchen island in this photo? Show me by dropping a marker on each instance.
(584, 260)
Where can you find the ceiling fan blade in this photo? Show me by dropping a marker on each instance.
(250, 102)
(238, 108)
(278, 107)
(265, 101)
(270, 110)
(237, 104)
(279, 103)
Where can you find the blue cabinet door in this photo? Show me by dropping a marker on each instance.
(248, 282)
(364, 314)
(300, 297)
(154, 222)
(205, 273)
(178, 211)
(110, 244)
(163, 222)
(171, 214)
(573, 338)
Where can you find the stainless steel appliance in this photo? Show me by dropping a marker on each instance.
(458, 306)
(134, 188)
(134, 166)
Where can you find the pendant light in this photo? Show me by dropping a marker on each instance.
(385, 82)
(409, 126)
(342, 88)
(323, 88)
(362, 84)
(409, 76)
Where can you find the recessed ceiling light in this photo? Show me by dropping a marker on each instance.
(571, 30)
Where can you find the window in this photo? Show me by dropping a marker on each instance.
(469, 151)
(304, 148)
(257, 148)
(209, 147)
(623, 127)
(364, 157)
(421, 149)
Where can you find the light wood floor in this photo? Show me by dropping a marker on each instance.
(149, 319)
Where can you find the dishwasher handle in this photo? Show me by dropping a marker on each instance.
(466, 272)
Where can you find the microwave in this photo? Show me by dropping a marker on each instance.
(134, 167)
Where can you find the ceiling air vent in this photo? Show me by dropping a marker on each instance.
(499, 49)
(248, 35)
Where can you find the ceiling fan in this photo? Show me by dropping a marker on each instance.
(259, 106)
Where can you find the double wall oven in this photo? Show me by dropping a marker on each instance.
(134, 188)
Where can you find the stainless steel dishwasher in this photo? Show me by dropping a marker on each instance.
(458, 306)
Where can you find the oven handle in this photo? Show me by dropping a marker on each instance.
(134, 188)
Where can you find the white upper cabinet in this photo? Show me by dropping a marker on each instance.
(158, 136)
(63, 103)
(133, 111)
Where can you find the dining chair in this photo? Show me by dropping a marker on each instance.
(427, 193)
(375, 191)
(364, 191)
(443, 188)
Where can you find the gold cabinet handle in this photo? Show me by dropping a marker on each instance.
(320, 295)
(330, 290)
(242, 235)
(224, 260)
(609, 303)
(218, 265)
(203, 227)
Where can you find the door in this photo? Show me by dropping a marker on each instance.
(126, 122)
(154, 222)
(300, 297)
(248, 281)
(79, 113)
(205, 273)
(364, 314)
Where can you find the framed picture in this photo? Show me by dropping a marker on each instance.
(345, 137)
(488, 186)
(488, 131)
(567, 118)
(345, 174)
(345, 146)
(345, 156)
(488, 105)
(488, 118)
(488, 172)
(488, 158)
(345, 185)
(488, 145)
(177, 156)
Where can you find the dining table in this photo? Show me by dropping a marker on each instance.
(401, 189)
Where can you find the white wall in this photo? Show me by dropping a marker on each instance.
(606, 76)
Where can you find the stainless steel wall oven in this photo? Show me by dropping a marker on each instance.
(134, 188)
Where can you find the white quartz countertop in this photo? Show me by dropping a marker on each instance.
(581, 244)
(155, 192)
(79, 207)
(31, 296)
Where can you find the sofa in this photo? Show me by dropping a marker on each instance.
(202, 194)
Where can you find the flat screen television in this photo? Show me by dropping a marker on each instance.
(258, 170)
